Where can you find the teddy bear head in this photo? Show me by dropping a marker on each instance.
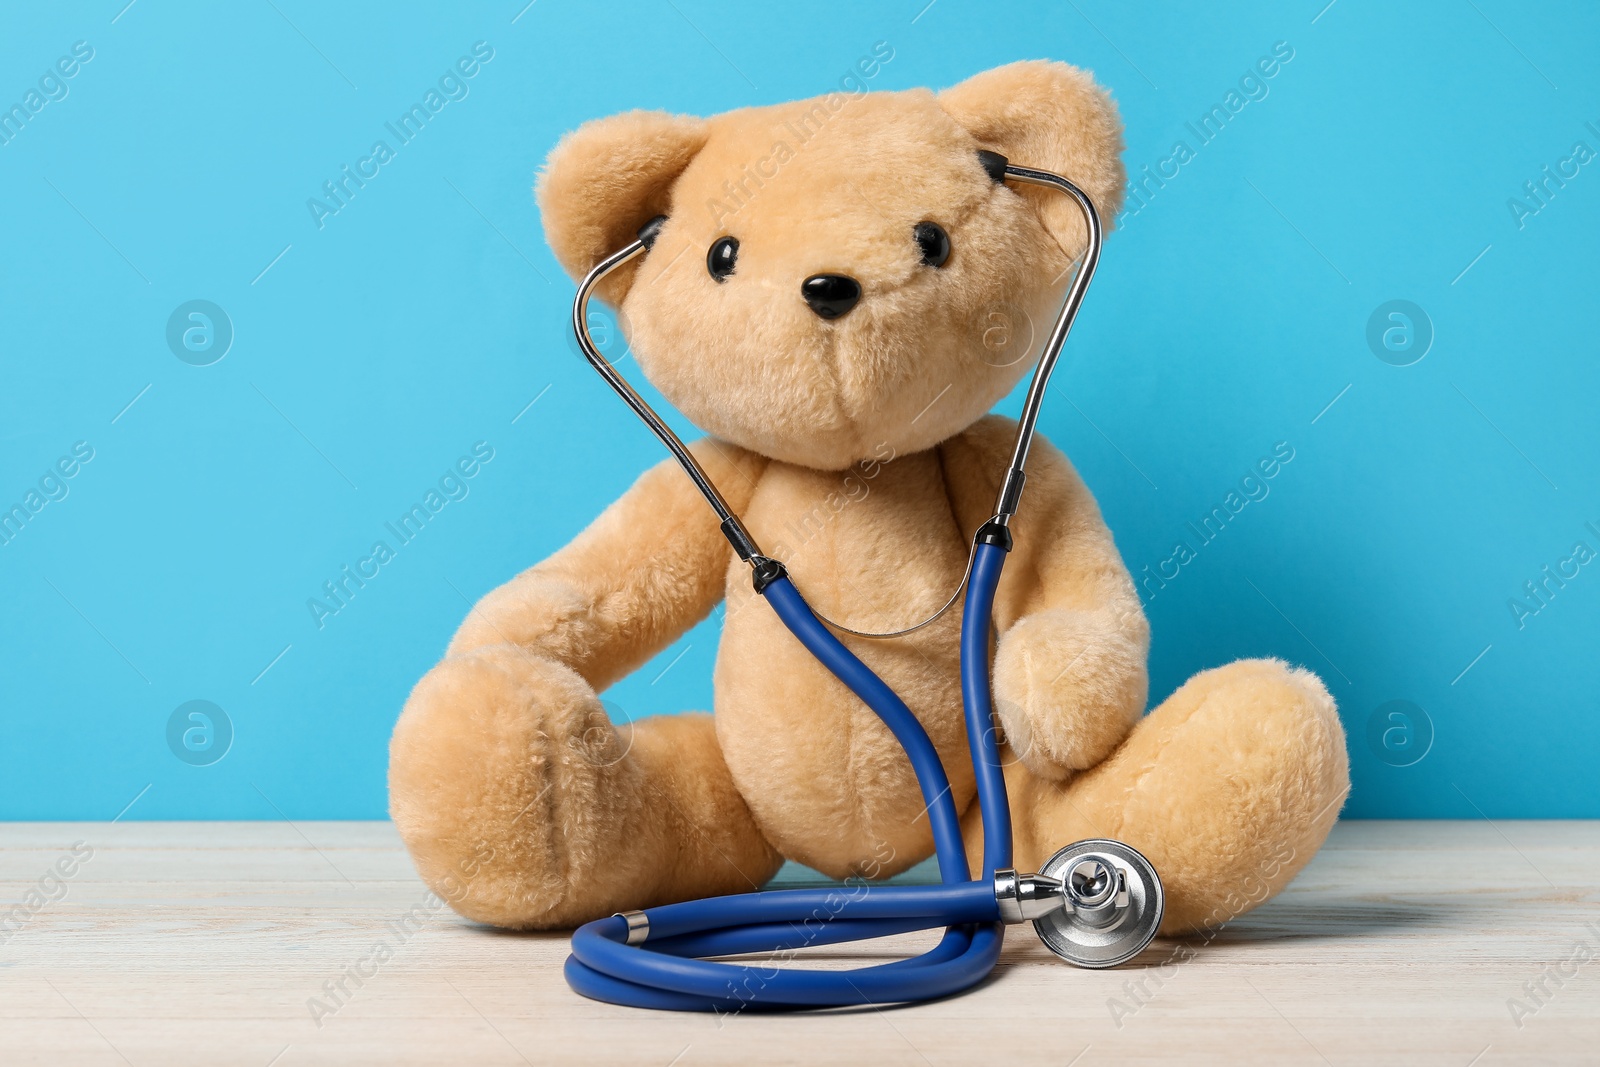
(846, 277)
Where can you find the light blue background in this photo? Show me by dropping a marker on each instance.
(427, 314)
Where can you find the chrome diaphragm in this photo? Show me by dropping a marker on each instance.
(1096, 903)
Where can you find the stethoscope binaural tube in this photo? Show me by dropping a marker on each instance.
(1027, 422)
(1102, 912)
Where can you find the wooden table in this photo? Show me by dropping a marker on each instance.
(215, 943)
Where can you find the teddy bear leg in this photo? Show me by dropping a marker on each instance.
(1229, 787)
(523, 806)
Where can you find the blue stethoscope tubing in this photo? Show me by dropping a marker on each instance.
(666, 970)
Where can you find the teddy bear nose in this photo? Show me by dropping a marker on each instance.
(830, 295)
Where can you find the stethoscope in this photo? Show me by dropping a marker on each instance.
(1096, 903)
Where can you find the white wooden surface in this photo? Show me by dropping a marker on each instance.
(202, 943)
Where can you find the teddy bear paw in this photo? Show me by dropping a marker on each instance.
(509, 785)
(1068, 686)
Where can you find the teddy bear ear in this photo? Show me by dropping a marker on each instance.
(606, 179)
(1053, 117)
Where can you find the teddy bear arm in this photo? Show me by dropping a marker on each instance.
(646, 570)
(1070, 670)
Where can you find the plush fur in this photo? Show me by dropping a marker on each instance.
(860, 453)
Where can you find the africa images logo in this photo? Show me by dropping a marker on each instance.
(453, 485)
(452, 86)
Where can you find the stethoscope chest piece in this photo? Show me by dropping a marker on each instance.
(1113, 903)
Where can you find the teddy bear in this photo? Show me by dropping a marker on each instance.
(822, 300)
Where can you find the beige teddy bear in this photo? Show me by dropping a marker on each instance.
(823, 300)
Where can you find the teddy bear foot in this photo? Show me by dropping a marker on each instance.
(1229, 787)
(523, 806)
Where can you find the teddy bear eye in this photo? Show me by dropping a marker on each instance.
(724, 253)
(934, 242)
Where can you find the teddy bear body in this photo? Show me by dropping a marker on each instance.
(843, 355)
